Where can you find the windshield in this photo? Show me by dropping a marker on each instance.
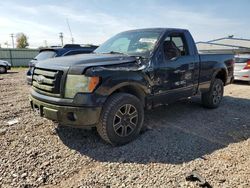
(45, 55)
(134, 43)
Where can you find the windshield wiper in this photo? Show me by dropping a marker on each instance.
(114, 52)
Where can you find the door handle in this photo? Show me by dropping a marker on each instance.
(179, 71)
(191, 66)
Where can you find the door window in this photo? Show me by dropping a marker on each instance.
(175, 46)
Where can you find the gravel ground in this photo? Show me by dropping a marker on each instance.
(182, 137)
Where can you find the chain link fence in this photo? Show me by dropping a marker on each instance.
(18, 57)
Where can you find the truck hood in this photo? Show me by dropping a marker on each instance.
(83, 61)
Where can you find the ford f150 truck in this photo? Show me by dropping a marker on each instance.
(133, 71)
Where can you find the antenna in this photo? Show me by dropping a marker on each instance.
(72, 39)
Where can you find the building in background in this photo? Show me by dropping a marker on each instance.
(225, 45)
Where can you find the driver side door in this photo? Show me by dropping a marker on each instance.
(174, 74)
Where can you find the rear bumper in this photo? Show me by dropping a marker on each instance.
(243, 75)
(67, 115)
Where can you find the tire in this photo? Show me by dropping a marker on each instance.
(3, 69)
(121, 119)
(213, 97)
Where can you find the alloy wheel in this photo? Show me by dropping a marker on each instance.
(217, 93)
(125, 120)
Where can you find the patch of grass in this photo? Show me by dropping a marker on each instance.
(18, 68)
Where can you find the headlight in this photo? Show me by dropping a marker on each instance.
(80, 84)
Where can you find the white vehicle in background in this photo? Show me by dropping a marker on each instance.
(242, 67)
(4, 66)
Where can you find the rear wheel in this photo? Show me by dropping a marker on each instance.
(121, 120)
(213, 97)
(3, 69)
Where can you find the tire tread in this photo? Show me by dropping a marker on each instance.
(206, 97)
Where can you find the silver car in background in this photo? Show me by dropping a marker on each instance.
(242, 67)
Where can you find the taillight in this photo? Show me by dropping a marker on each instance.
(248, 65)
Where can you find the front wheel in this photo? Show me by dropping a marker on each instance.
(121, 119)
(213, 97)
(3, 69)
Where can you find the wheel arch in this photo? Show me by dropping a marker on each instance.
(133, 89)
(221, 74)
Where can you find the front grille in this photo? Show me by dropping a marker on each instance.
(48, 81)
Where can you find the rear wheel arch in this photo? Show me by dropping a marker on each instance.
(221, 74)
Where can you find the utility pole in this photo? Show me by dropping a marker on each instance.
(12, 37)
(61, 37)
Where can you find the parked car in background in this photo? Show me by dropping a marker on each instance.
(4, 66)
(133, 71)
(68, 49)
(242, 67)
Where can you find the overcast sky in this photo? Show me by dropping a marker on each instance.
(93, 21)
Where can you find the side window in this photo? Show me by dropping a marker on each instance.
(175, 46)
(179, 43)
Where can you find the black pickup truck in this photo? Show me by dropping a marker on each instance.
(133, 71)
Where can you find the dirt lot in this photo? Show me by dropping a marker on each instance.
(182, 137)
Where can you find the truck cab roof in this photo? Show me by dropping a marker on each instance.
(158, 29)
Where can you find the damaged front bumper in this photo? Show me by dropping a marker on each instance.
(67, 115)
